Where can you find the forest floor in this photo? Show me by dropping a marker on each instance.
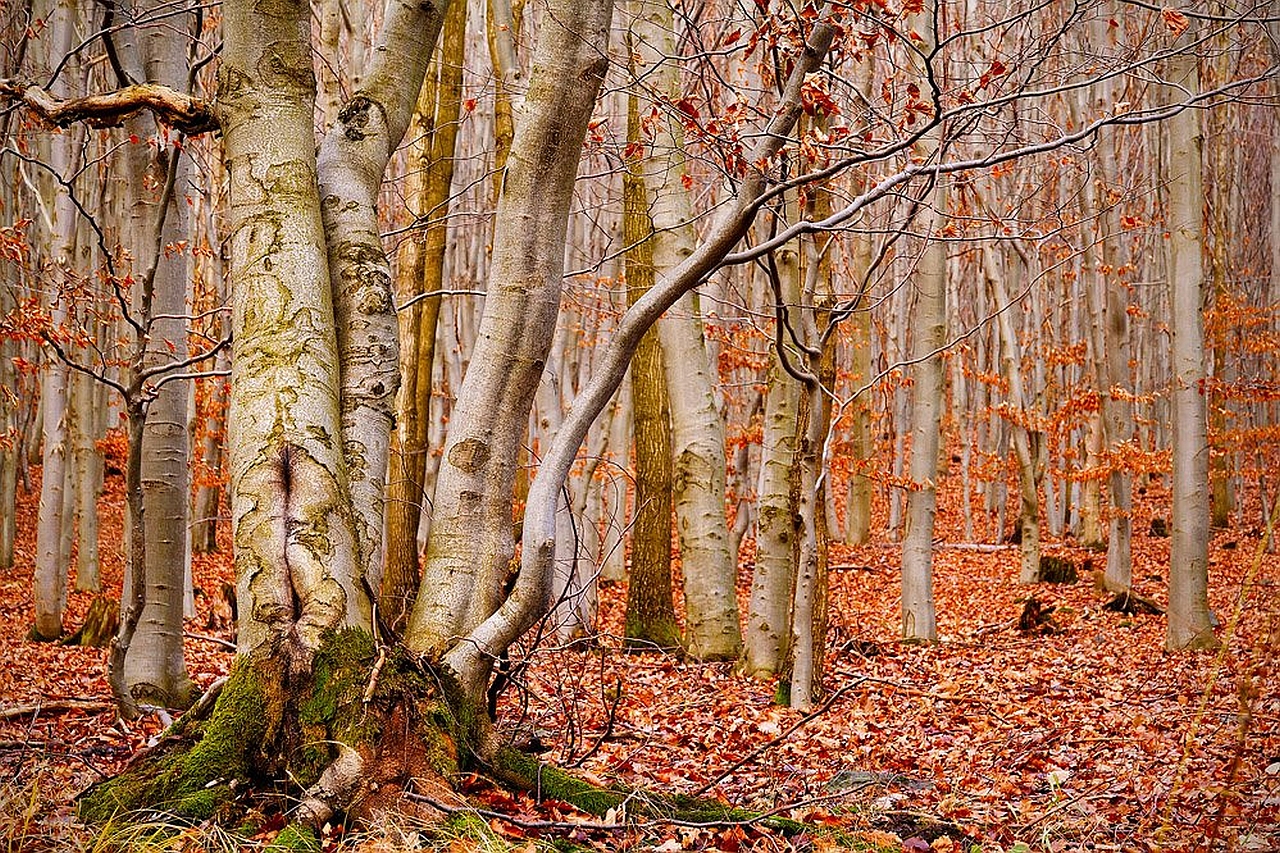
(1090, 738)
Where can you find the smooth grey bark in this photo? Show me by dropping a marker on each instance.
(1026, 440)
(88, 473)
(769, 605)
(161, 176)
(1116, 385)
(472, 540)
(524, 605)
(50, 584)
(1190, 622)
(697, 429)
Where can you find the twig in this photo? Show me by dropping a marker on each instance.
(226, 644)
(755, 753)
(55, 705)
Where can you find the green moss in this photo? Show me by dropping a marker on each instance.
(294, 838)
(526, 771)
(194, 777)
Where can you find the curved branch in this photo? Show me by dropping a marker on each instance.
(528, 600)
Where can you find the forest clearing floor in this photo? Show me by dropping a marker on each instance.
(1093, 737)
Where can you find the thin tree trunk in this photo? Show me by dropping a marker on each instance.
(698, 475)
(434, 131)
(1026, 440)
(50, 591)
(650, 619)
(768, 634)
(1190, 622)
(929, 335)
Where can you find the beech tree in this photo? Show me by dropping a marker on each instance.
(321, 692)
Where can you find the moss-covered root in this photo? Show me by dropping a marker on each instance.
(193, 774)
(526, 772)
(295, 839)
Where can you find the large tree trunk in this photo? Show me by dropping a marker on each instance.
(1190, 622)
(471, 543)
(295, 542)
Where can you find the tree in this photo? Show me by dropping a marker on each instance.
(1190, 622)
(318, 686)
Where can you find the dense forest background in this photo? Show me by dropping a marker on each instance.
(864, 415)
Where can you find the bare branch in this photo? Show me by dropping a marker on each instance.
(109, 109)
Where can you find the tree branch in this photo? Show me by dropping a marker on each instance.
(183, 112)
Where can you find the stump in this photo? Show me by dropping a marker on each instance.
(1036, 618)
(100, 624)
(1058, 570)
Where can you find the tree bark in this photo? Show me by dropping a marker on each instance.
(768, 632)
(929, 335)
(1190, 622)
(650, 618)
(50, 590)
(471, 544)
(421, 271)
(697, 430)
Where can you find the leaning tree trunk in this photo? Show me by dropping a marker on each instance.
(1190, 622)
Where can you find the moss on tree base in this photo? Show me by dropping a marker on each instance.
(271, 724)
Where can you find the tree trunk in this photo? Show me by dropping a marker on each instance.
(929, 335)
(471, 545)
(769, 608)
(1026, 440)
(1190, 622)
(651, 618)
(50, 590)
(421, 271)
(154, 671)
(697, 430)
